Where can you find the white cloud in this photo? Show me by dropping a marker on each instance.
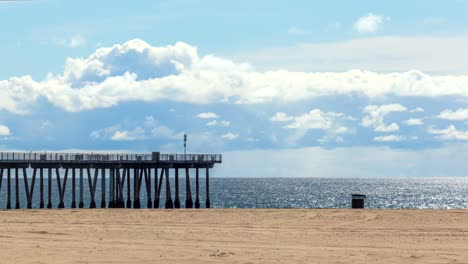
(230, 136)
(330, 122)
(116, 133)
(450, 133)
(137, 71)
(375, 117)
(370, 23)
(220, 123)
(281, 117)
(388, 138)
(417, 110)
(414, 122)
(207, 115)
(315, 119)
(4, 131)
(124, 136)
(458, 115)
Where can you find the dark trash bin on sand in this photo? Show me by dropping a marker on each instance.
(357, 200)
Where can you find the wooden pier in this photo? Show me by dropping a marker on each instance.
(123, 170)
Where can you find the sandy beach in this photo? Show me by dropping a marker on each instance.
(234, 236)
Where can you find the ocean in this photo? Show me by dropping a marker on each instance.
(388, 193)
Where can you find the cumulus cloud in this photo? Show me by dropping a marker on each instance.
(330, 122)
(374, 117)
(417, 110)
(388, 138)
(230, 136)
(4, 131)
(450, 133)
(137, 71)
(458, 115)
(414, 122)
(370, 23)
(220, 123)
(207, 115)
(281, 117)
(315, 119)
(118, 133)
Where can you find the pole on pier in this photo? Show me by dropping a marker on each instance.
(41, 187)
(188, 191)
(49, 186)
(17, 204)
(103, 188)
(129, 200)
(197, 190)
(169, 204)
(73, 205)
(208, 205)
(8, 206)
(81, 204)
(177, 200)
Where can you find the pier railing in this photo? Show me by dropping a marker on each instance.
(90, 157)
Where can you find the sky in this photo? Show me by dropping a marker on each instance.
(281, 89)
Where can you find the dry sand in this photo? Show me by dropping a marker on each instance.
(234, 236)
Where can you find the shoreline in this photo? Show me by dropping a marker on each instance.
(233, 235)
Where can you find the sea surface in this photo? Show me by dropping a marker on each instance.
(391, 193)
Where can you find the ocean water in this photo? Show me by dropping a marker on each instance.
(436, 193)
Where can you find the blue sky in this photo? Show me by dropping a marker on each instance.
(329, 88)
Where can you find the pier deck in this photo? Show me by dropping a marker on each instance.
(123, 171)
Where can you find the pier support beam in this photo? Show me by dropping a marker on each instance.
(73, 205)
(111, 189)
(103, 188)
(188, 191)
(8, 205)
(129, 200)
(208, 204)
(176, 186)
(61, 187)
(197, 189)
(28, 190)
(49, 188)
(81, 204)
(136, 189)
(156, 189)
(41, 187)
(169, 204)
(121, 181)
(17, 204)
(1, 178)
(92, 186)
(149, 203)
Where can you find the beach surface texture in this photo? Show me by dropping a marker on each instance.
(234, 236)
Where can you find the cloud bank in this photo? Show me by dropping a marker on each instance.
(135, 71)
